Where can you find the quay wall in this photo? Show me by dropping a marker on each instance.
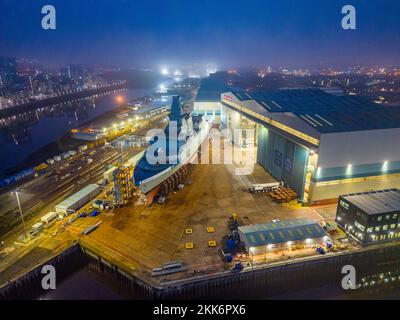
(28, 285)
(262, 281)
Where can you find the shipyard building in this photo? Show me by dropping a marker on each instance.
(321, 144)
(370, 217)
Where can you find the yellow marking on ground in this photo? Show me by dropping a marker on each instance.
(212, 243)
(189, 245)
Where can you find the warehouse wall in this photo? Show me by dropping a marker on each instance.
(285, 160)
(359, 161)
(359, 148)
(210, 108)
(332, 190)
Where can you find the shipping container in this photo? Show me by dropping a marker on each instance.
(41, 167)
(83, 148)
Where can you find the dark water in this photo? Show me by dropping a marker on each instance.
(25, 135)
(90, 285)
(85, 285)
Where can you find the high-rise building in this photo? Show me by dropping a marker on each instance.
(8, 71)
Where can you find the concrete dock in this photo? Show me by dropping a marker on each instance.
(133, 240)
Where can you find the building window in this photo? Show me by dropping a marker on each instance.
(344, 204)
(395, 216)
(359, 226)
(377, 229)
(369, 230)
(379, 218)
(387, 217)
(392, 226)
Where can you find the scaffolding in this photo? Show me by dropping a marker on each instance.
(123, 185)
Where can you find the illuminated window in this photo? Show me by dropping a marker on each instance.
(387, 217)
(344, 204)
(359, 226)
(392, 226)
(369, 230)
(377, 229)
(379, 218)
(395, 216)
(385, 227)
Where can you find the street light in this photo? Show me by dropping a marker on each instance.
(22, 216)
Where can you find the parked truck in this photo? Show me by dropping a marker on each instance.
(265, 187)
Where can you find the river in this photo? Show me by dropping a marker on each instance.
(86, 284)
(21, 138)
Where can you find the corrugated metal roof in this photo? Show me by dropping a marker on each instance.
(77, 196)
(376, 202)
(325, 112)
(280, 232)
(211, 90)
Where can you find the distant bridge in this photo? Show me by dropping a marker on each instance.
(32, 105)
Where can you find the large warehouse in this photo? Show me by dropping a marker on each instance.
(321, 144)
(208, 97)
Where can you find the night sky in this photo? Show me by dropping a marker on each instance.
(237, 33)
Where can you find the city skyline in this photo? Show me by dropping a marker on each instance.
(224, 34)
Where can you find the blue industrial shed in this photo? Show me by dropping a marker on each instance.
(273, 235)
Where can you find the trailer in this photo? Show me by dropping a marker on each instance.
(265, 187)
(78, 199)
(48, 218)
(38, 226)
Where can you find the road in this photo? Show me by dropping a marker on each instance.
(64, 178)
(48, 190)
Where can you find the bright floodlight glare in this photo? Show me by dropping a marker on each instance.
(164, 71)
(119, 98)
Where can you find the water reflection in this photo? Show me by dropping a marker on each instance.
(22, 135)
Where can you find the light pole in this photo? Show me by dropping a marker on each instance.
(22, 216)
